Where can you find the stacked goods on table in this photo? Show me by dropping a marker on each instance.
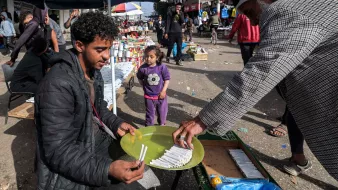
(130, 29)
(130, 50)
(122, 71)
(245, 164)
(175, 157)
(198, 53)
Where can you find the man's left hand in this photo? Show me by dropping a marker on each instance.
(125, 128)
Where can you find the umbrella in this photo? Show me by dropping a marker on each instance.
(125, 7)
(129, 13)
(77, 4)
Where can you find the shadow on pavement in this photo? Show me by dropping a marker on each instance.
(222, 77)
(267, 127)
(129, 118)
(4, 101)
(272, 104)
(23, 150)
(132, 100)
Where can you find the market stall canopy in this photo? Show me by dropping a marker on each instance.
(125, 7)
(129, 13)
(78, 4)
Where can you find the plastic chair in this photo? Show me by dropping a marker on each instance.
(8, 73)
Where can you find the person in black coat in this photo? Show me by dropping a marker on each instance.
(160, 27)
(173, 31)
(35, 28)
(31, 69)
(72, 149)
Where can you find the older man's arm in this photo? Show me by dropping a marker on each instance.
(287, 39)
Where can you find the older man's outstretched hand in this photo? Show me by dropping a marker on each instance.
(187, 131)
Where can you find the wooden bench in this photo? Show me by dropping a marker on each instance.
(24, 111)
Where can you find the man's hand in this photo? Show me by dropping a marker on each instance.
(126, 172)
(187, 131)
(10, 63)
(166, 36)
(72, 15)
(230, 41)
(125, 128)
(162, 95)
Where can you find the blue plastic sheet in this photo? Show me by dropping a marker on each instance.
(245, 184)
(184, 45)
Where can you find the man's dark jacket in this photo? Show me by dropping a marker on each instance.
(66, 156)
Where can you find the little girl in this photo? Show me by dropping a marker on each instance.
(154, 77)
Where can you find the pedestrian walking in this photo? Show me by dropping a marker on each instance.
(7, 32)
(175, 20)
(189, 27)
(160, 27)
(248, 36)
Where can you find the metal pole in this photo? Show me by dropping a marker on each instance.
(199, 6)
(218, 8)
(141, 9)
(112, 66)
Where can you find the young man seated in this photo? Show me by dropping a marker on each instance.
(72, 150)
(31, 68)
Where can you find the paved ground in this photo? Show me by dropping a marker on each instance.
(207, 79)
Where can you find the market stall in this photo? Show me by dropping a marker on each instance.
(127, 56)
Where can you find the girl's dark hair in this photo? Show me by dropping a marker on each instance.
(159, 54)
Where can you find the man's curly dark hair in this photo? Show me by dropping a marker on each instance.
(24, 15)
(92, 24)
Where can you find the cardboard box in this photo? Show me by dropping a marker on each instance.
(217, 159)
(200, 56)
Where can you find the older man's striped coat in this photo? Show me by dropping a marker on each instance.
(299, 43)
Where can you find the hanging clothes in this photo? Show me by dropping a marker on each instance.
(224, 13)
(233, 14)
(205, 16)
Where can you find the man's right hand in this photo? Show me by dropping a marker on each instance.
(72, 15)
(166, 36)
(229, 38)
(187, 131)
(10, 63)
(126, 172)
(230, 41)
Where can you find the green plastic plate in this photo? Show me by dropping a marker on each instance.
(158, 139)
